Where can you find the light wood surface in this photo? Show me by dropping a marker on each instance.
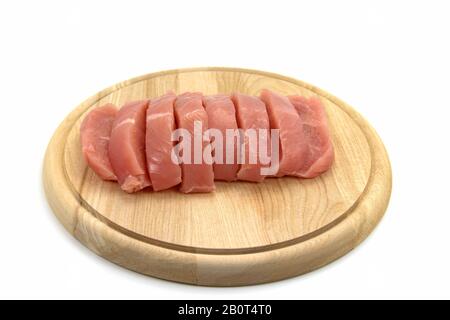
(244, 233)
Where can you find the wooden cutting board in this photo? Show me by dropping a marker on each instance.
(244, 233)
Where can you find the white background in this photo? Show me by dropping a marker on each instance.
(388, 59)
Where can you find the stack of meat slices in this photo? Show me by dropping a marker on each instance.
(134, 145)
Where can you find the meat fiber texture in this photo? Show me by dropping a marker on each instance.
(95, 133)
(222, 116)
(196, 177)
(293, 146)
(251, 114)
(164, 173)
(127, 147)
(320, 152)
(134, 145)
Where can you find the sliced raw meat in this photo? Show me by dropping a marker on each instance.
(164, 173)
(222, 116)
(197, 177)
(95, 132)
(293, 147)
(251, 114)
(127, 147)
(320, 153)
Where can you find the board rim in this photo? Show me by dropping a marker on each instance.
(70, 219)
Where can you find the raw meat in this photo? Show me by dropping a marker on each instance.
(135, 146)
(320, 153)
(196, 177)
(127, 147)
(222, 116)
(293, 147)
(251, 114)
(95, 132)
(164, 173)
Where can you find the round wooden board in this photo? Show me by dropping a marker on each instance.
(244, 233)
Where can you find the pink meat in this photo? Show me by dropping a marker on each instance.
(164, 173)
(127, 147)
(320, 153)
(251, 114)
(222, 116)
(293, 147)
(95, 132)
(196, 177)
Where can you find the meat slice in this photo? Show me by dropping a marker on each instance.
(251, 114)
(197, 177)
(164, 173)
(222, 116)
(95, 132)
(320, 153)
(127, 147)
(293, 147)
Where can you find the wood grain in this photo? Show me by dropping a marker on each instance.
(244, 233)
